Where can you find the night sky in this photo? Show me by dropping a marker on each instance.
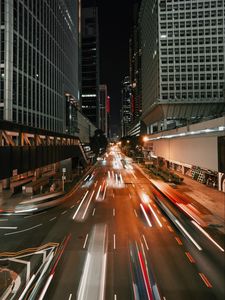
(115, 19)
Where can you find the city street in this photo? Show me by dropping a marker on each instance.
(120, 244)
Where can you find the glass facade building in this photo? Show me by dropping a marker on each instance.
(39, 61)
(126, 113)
(182, 61)
(90, 62)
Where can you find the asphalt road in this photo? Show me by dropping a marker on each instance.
(140, 244)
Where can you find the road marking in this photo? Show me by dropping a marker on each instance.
(146, 245)
(85, 242)
(191, 259)
(178, 241)
(96, 183)
(170, 228)
(114, 212)
(114, 241)
(188, 235)
(93, 212)
(64, 212)
(26, 217)
(115, 297)
(164, 219)
(205, 279)
(113, 195)
(129, 195)
(8, 227)
(135, 213)
(72, 206)
(133, 185)
(10, 233)
(52, 219)
(70, 297)
(164, 298)
(76, 212)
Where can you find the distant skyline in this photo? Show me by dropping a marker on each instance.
(115, 19)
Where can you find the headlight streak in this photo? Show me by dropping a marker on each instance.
(76, 212)
(188, 235)
(207, 235)
(88, 205)
(154, 214)
(146, 216)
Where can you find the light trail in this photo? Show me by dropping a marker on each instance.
(155, 215)
(146, 216)
(98, 192)
(208, 236)
(10, 233)
(146, 245)
(88, 205)
(85, 242)
(76, 212)
(188, 235)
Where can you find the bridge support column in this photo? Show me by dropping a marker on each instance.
(6, 183)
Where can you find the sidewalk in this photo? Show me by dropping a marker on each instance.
(9, 201)
(209, 202)
(209, 198)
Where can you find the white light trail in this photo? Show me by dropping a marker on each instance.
(76, 212)
(188, 235)
(208, 236)
(146, 216)
(155, 215)
(88, 205)
(98, 192)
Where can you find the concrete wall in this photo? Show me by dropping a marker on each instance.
(86, 128)
(198, 151)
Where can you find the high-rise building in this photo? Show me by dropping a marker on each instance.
(103, 108)
(183, 54)
(135, 66)
(126, 106)
(90, 61)
(39, 61)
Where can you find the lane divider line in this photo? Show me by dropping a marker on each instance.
(191, 259)
(178, 240)
(114, 241)
(205, 280)
(93, 212)
(52, 219)
(135, 213)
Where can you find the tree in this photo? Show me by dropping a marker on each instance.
(98, 142)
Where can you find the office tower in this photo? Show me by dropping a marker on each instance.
(103, 108)
(126, 106)
(135, 66)
(182, 61)
(90, 62)
(39, 61)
